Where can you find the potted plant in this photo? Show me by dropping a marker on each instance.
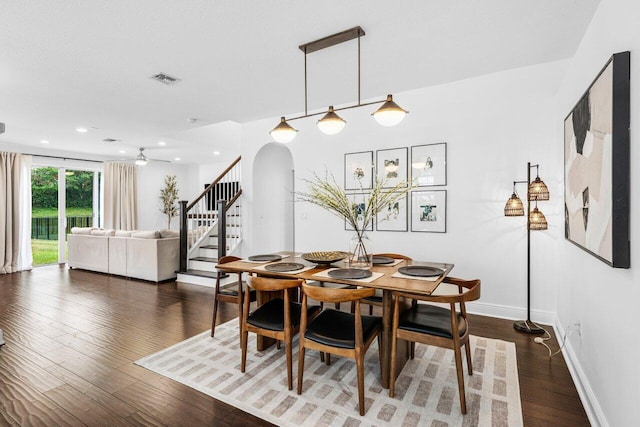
(326, 193)
(168, 198)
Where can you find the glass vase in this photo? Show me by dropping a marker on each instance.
(360, 251)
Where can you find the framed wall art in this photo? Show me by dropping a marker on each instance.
(395, 217)
(429, 164)
(359, 201)
(391, 165)
(596, 166)
(358, 170)
(429, 211)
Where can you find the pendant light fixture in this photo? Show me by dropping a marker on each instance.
(331, 123)
(389, 113)
(283, 133)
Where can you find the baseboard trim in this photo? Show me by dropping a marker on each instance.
(509, 312)
(196, 280)
(587, 396)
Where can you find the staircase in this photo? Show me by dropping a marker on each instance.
(210, 227)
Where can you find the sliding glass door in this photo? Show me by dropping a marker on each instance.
(61, 199)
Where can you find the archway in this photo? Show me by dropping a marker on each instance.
(273, 186)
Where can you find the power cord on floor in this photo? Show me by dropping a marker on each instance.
(547, 337)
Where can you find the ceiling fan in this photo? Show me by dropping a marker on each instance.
(141, 159)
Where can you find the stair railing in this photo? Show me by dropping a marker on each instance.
(198, 218)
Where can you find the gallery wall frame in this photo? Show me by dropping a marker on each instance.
(358, 170)
(392, 165)
(429, 211)
(395, 217)
(360, 200)
(429, 164)
(596, 166)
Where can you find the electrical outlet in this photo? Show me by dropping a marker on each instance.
(574, 328)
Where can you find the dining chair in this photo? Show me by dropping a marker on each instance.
(376, 300)
(338, 332)
(230, 292)
(278, 318)
(436, 325)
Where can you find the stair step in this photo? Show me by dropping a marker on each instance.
(204, 259)
(201, 273)
(212, 247)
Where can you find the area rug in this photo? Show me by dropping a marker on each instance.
(426, 390)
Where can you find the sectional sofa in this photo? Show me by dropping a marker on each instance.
(146, 255)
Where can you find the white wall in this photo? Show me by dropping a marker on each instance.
(493, 125)
(603, 299)
(273, 213)
(151, 181)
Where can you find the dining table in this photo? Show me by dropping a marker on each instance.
(385, 277)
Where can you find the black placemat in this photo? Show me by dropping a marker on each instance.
(265, 257)
(349, 273)
(381, 260)
(421, 271)
(282, 267)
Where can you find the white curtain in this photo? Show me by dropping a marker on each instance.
(15, 220)
(120, 196)
(25, 255)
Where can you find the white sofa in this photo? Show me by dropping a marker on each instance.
(142, 255)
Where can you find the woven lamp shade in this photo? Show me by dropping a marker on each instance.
(537, 221)
(538, 190)
(514, 206)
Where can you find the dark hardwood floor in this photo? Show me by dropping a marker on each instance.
(72, 336)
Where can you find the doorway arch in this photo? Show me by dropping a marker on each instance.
(273, 207)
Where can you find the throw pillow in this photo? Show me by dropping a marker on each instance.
(123, 233)
(169, 233)
(82, 230)
(146, 234)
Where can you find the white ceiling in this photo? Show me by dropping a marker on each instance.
(71, 63)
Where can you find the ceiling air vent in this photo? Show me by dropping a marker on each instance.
(165, 78)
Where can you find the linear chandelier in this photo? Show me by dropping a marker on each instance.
(389, 113)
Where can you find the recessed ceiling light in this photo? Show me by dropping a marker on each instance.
(44, 141)
(162, 143)
(216, 153)
(122, 151)
(81, 130)
(177, 159)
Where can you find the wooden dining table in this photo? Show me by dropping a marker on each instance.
(386, 282)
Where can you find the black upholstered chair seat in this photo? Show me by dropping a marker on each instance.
(270, 315)
(337, 328)
(431, 320)
(377, 298)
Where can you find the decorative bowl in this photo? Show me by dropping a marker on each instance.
(324, 257)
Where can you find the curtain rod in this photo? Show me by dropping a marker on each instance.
(63, 158)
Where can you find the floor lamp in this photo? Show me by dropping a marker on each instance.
(536, 190)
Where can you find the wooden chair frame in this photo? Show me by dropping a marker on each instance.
(472, 293)
(371, 303)
(220, 296)
(336, 295)
(266, 284)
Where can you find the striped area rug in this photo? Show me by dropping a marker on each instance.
(426, 390)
